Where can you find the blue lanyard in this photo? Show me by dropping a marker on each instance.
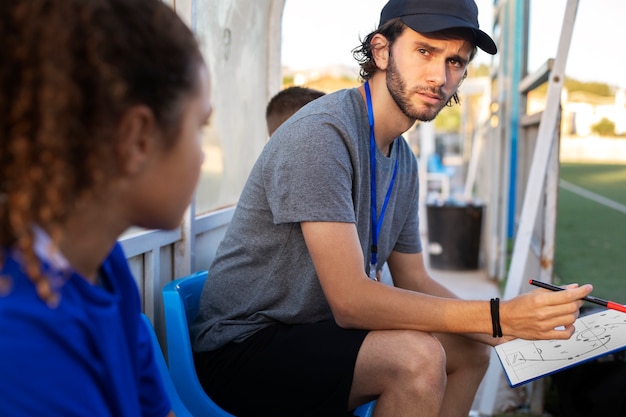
(377, 222)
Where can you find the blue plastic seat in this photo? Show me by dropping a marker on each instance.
(177, 404)
(365, 410)
(435, 165)
(181, 301)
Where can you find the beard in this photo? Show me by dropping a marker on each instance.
(402, 96)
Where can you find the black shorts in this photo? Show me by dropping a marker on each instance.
(284, 370)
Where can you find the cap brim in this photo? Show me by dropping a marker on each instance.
(426, 23)
(484, 42)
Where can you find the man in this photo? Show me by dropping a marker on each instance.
(285, 103)
(290, 322)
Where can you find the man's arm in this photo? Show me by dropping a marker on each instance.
(408, 271)
(357, 301)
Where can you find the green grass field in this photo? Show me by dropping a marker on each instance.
(591, 237)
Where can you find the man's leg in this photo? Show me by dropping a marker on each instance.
(466, 364)
(284, 371)
(404, 369)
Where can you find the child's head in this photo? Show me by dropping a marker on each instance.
(285, 103)
(84, 83)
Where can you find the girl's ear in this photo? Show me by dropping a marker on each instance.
(136, 139)
(380, 51)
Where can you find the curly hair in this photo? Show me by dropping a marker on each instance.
(391, 30)
(69, 71)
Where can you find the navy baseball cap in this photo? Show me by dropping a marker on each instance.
(433, 15)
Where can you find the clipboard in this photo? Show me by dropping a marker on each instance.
(597, 334)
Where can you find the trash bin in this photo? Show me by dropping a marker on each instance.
(454, 233)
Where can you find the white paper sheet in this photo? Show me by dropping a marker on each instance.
(596, 335)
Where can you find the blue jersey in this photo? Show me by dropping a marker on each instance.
(89, 356)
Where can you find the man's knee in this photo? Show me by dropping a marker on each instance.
(400, 364)
(421, 357)
(478, 356)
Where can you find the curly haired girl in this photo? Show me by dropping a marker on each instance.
(102, 107)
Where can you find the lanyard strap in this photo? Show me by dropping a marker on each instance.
(377, 222)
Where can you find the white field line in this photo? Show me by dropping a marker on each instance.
(592, 196)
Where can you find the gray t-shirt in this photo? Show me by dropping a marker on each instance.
(316, 167)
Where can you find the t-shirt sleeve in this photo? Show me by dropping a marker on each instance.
(308, 173)
(32, 383)
(409, 239)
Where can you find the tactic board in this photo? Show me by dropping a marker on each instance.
(596, 335)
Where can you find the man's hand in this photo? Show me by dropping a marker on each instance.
(543, 314)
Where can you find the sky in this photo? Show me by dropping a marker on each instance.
(319, 33)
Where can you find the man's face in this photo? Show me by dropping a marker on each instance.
(424, 73)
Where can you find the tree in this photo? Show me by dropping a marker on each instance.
(571, 85)
(449, 119)
(604, 127)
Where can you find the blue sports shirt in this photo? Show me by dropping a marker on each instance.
(89, 356)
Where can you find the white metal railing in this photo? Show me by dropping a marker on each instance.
(156, 257)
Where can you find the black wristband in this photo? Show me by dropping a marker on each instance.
(495, 317)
